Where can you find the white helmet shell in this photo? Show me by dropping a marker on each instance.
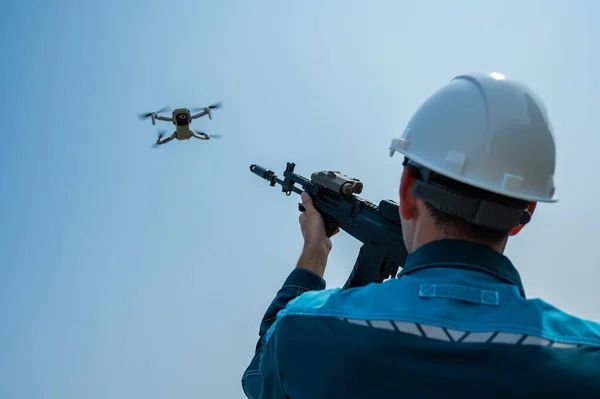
(488, 131)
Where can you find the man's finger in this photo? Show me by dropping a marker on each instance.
(307, 201)
(302, 217)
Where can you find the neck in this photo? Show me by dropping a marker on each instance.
(426, 233)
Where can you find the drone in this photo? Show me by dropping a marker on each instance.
(181, 118)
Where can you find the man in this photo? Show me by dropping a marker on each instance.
(456, 323)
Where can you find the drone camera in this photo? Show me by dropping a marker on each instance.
(182, 120)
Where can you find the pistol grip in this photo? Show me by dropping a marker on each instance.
(330, 226)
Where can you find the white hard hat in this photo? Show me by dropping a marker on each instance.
(487, 131)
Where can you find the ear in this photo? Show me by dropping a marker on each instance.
(530, 209)
(408, 202)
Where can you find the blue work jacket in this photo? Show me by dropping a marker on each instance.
(455, 324)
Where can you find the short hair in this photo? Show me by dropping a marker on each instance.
(455, 226)
(458, 227)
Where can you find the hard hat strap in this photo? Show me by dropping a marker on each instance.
(479, 211)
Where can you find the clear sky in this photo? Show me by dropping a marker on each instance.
(132, 272)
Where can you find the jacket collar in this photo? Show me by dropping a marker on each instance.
(463, 255)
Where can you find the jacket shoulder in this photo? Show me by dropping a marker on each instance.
(564, 325)
(312, 301)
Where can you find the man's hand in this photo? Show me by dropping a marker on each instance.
(316, 243)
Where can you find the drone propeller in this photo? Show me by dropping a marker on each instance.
(160, 136)
(212, 106)
(210, 136)
(149, 114)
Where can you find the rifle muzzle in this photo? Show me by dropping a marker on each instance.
(262, 172)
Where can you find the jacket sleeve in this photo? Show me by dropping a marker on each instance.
(254, 383)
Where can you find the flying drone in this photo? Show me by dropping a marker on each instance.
(181, 118)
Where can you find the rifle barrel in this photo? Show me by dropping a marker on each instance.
(270, 176)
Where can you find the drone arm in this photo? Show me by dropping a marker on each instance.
(199, 114)
(163, 118)
(200, 136)
(160, 142)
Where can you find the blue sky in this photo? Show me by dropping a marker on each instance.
(127, 271)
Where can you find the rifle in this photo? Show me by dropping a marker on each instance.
(377, 227)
